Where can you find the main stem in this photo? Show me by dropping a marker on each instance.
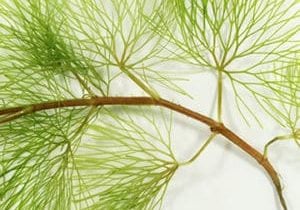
(215, 126)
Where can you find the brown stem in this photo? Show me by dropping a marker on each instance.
(214, 125)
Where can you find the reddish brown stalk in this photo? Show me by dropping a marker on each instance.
(146, 101)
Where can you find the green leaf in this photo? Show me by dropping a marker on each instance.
(37, 161)
(126, 163)
(220, 35)
(116, 36)
(38, 54)
(285, 107)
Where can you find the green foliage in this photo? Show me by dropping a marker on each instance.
(221, 35)
(37, 56)
(123, 165)
(46, 165)
(37, 161)
(116, 36)
(285, 108)
(121, 158)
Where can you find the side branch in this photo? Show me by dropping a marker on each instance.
(216, 127)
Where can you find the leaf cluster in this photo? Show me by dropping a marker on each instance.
(37, 160)
(241, 41)
(122, 165)
(116, 36)
(36, 57)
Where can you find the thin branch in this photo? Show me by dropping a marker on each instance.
(220, 94)
(199, 152)
(272, 141)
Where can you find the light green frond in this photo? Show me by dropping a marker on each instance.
(116, 36)
(36, 56)
(36, 155)
(126, 162)
(241, 39)
(285, 106)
